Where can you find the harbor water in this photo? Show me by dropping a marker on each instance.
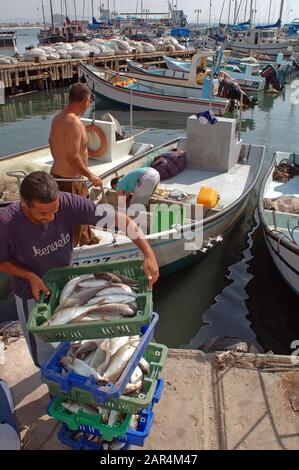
(235, 290)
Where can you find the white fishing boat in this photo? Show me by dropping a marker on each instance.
(281, 228)
(247, 75)
(180, 232)
(147, 94)
(8, 42)
(262, 42)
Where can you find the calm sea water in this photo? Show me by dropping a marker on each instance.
(235, 290)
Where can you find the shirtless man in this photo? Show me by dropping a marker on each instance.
(68, 142)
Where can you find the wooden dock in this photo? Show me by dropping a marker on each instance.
(29, 76)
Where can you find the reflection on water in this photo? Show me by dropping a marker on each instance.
(235, 290)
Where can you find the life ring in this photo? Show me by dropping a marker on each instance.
(97, 141)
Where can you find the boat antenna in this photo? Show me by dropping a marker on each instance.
(43, 8)
(94, 104)
(52, 19)
(131, 113)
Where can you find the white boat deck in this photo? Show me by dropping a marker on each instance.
(230, 186)
(275, 189)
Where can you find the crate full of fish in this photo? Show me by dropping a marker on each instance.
(78, 440)
(89, 438)
(98, 301)
(133, 387)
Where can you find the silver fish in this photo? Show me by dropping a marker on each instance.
(104, 412)
(118, 363)
(144, 365)
(86, 346)
(89, 357)
(76, 407)
(80, 368)
(115, 289)
(98, 359)
(115, 445)
(92, 283)
(133, 388)
(115, 299)
(123, 310)
(77, 299)
(136, 376)
(115, 417)
(134, 422)
(110, 277)
(71, 315)
(71, 286)
(116, 343)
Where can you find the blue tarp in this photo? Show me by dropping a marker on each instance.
(180, 32)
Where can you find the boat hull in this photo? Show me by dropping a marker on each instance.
(157, 102)
(284, 253)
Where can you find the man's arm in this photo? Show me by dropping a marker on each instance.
(134, 232)
(74, 136)
(37, 285)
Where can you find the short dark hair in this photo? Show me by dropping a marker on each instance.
(114, 182)
(78, 93)
(39, 186)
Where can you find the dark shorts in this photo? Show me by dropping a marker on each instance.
(83, 234)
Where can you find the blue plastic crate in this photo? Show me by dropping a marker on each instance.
(135, 437)
(67, 437)
(132, 438)
(52, 370)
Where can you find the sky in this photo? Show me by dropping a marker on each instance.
(31, 9)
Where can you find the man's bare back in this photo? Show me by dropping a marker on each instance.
(68, 141)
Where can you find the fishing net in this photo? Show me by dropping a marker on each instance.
(285, 171)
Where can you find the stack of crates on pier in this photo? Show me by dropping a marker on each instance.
(99, 416)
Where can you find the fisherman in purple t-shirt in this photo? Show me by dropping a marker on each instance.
(36, 234)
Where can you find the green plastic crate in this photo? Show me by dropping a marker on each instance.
(56, 280)
(75, 420)
(156, 356)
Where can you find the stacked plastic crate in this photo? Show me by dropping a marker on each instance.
(81, 429)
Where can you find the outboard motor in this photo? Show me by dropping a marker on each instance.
(270, 74)
(231, 90)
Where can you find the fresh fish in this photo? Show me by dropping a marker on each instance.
(71, 286)
(86, 346)
(98, 359)
(116, 343)
(110, 277)
(144, 365)
(115, 417)
(89, 358)
(133, 388)
(79, 299)
(80, 368)
(71, 315)
(116, 289)
(136, 376)
(118, 363)
(115, 299)
(127, 280)
(116, 445)
(76, 407)
(92, 283)
(134, 422)
(104, 412)
(110, 309)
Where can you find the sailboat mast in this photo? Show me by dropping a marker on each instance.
(43, 9)
(235, 14)
(92, 8)
(229, 9)
(210, 13)
(270, 8)
(51, 9)
(251, 11)
(65, 7)
(281, 9)
(245, 12)
(75, 10)
(223, 5)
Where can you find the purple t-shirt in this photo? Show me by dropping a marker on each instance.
(39, 247)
